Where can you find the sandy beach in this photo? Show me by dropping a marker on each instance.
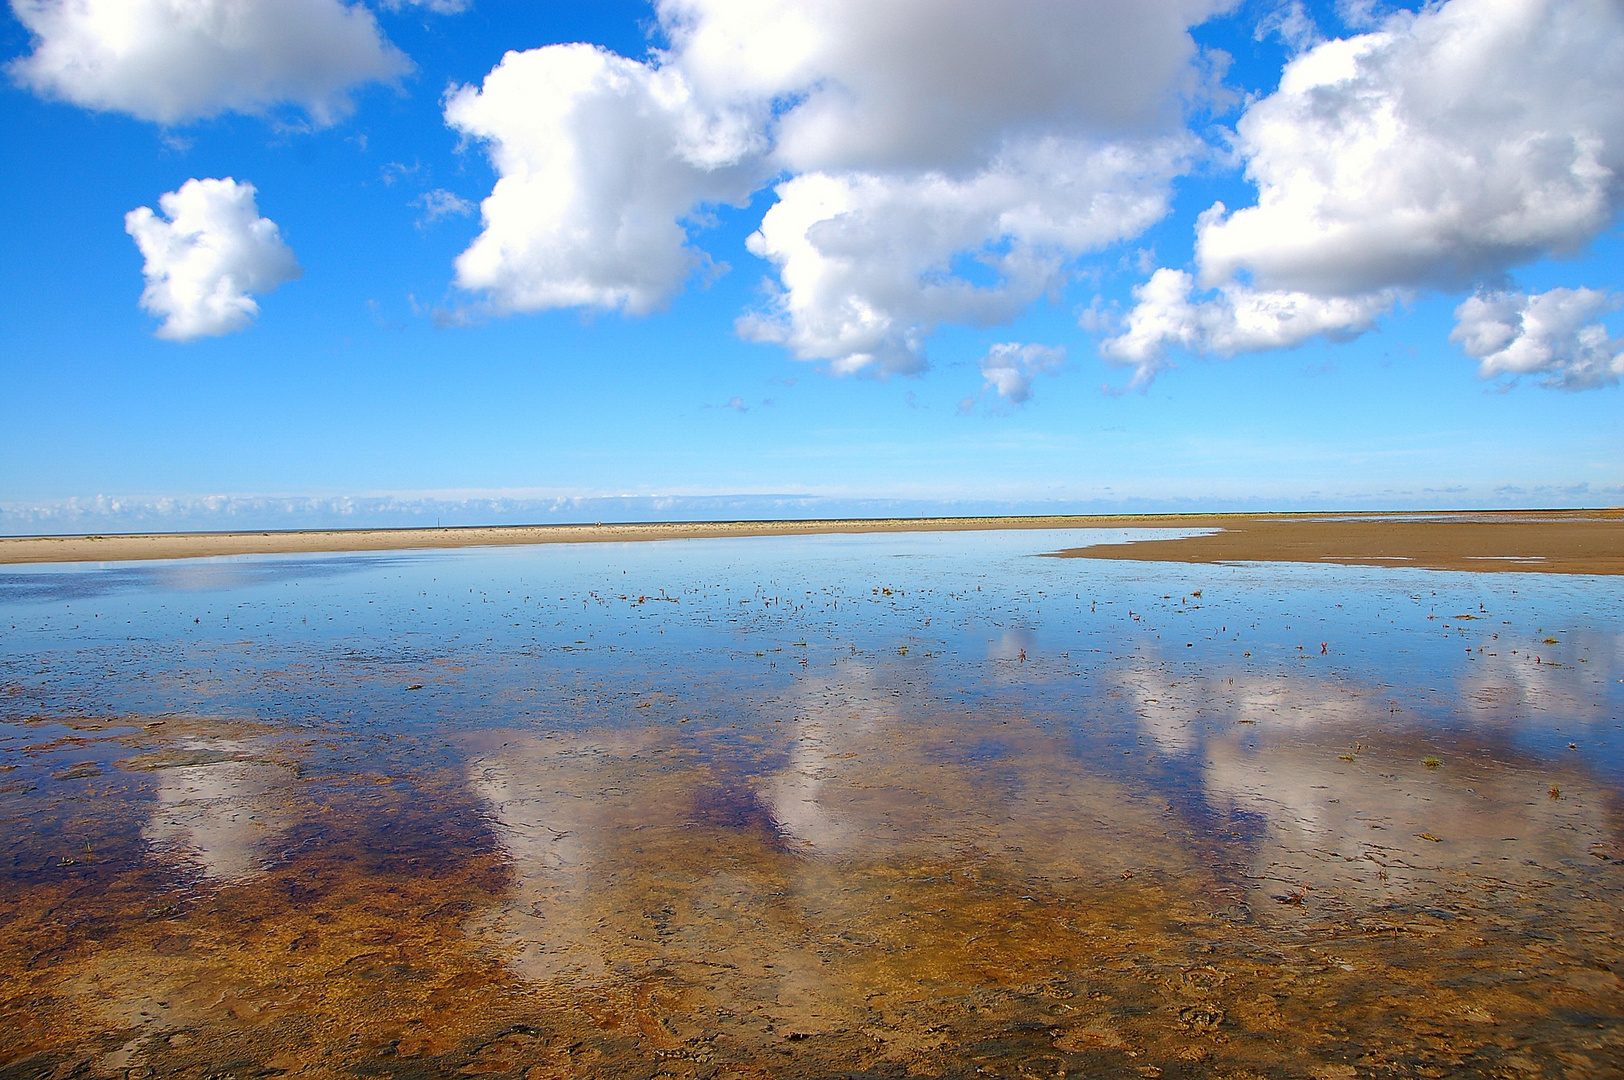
(1565, 541)
(118, 548)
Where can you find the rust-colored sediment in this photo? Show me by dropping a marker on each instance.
(1552, 542)
(583, 907)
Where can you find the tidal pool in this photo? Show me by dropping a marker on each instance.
(884, 805)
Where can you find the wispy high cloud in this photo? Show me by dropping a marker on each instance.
(441, 203)
(439, 7)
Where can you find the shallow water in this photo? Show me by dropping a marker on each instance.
(868, 805)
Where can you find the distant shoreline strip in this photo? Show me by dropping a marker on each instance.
(1525, 541)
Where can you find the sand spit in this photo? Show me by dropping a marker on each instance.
(118, 548)
(1563, 541)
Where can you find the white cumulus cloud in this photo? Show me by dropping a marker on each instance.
(1010, 368)
(1557, 334)
(1234, 320)
(599, 159)
(936, 84)
(869, 264)
(1459, 141)
(1435, 152)
(172, 61)
(946, 160)
(207, 257)
(951, 157)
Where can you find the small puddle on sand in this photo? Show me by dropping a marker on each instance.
(931, 859)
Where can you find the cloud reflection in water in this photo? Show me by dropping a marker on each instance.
(1352, 803)
(217, 807)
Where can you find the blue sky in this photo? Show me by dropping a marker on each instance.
(986, 275)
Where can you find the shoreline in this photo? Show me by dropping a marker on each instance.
(1539, 541)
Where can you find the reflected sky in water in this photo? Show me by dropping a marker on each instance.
(785, 766)
(1222, 686)
(568, 635)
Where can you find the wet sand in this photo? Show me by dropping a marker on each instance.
(1547, 542)
(1561, 542)
(619, 905)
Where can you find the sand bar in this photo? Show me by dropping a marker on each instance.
(115, 548)
(1550, 542)
(1566, 541)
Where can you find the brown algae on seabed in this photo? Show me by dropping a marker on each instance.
(816, 825)
(616, 904)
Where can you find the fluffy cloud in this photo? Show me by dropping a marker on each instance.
(171, 61)
(600, 159)
(1010, 368)
(1235, 320)
(870, 264)
(948, 159)
(1551, 334)
(936, 84)
(1450, 144)
(951, 159)
(202, 263)
(1436, 152)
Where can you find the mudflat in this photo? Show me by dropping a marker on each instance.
(1565, 542)
(1552, 542)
